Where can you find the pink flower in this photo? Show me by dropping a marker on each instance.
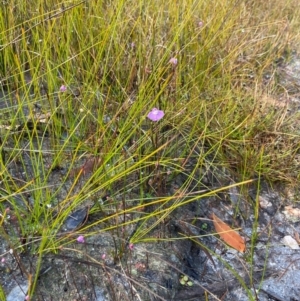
(173, 61)
(63, 88)
(103, 256)
(80, 239)
(200, 23)
(156, 114)
(2, 259)
(27, 298)
(131, 246)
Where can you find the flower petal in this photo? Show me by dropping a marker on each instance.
(80, 239)
(155, 114)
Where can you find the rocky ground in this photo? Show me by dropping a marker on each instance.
(156, 271)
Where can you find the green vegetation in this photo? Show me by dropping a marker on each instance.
(211, 66)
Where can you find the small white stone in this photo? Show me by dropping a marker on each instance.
(290, 242)
(264, 203)
(292, 214)
(18, 293)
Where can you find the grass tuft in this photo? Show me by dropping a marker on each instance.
(213, 68)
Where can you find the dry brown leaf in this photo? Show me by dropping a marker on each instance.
(89, 166)
(230, 236)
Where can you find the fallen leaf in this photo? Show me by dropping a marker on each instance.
(230, 236)
(89, 166)
(290, 242)
(76, 219)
